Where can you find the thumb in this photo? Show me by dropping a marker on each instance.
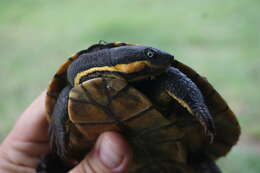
(111, 154)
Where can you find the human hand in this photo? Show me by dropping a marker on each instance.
(28, 142)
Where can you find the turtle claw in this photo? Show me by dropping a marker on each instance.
(210, 135)
(207, 122)
(210, 131)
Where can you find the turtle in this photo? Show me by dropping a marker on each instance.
(172, 117)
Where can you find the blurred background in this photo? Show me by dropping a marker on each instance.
(218, 38)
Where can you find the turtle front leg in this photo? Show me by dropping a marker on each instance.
(57, 130)
(185, 91)
(55, 161)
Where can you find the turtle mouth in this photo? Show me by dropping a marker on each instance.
(162, 61)
(160, 64)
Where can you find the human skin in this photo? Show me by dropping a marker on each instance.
(28, 142)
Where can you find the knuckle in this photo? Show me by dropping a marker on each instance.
(88, 166)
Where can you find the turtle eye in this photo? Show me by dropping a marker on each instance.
(150, 53)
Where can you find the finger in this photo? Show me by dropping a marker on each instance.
(29, 138)
(110, 155)
(32, 126)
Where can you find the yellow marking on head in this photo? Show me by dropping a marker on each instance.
(132, 67)
(123, 68)
(182, 102)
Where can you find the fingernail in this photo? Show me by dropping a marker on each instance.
(110, 154)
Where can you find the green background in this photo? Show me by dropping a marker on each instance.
(218, 38)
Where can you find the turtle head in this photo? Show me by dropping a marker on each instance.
(138, 62)
(133, 62)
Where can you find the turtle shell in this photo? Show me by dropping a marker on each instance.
(103, 104)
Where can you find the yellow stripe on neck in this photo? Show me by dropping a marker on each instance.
(123, 68)
(182, 102)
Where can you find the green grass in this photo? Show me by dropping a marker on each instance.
(220, 39)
